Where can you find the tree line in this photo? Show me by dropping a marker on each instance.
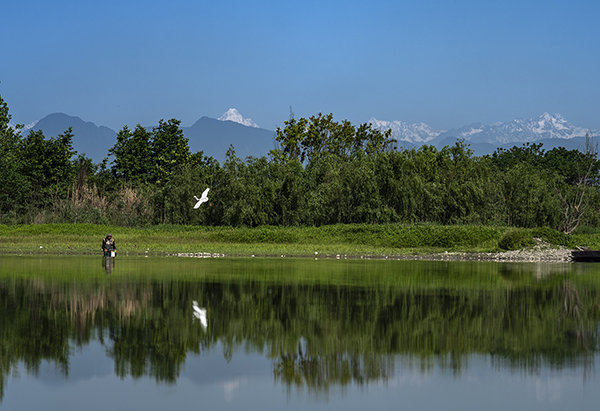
(319, 172)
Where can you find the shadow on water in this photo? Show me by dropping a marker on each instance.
(320, 323)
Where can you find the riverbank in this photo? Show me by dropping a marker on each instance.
(480, 243)
(542, 251)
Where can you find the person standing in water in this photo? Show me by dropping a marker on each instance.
(108, 245)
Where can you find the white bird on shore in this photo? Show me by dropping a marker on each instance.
(202, 199)
(200, 313)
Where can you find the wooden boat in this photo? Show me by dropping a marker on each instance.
(586, 255)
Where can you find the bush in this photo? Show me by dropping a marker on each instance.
(553, 236)
(515, 239)
(586, 230)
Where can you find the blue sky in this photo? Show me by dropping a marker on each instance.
(444, 63)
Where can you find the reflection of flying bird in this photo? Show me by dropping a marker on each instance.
(200, 313)
(202, 199)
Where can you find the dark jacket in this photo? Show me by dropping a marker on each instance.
(108, 244)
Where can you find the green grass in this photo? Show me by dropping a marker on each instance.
(353, 239)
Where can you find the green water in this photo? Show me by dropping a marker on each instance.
(326, 330)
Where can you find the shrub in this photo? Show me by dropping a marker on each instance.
(553, 236)
(515, 239)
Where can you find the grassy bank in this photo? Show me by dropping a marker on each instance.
(359, 239)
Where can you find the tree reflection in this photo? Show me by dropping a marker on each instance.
(317, 335)
(319, 372)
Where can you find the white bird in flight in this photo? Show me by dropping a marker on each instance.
(200, 313)
(202, 199)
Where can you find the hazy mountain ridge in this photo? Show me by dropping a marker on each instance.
(89, 139)
(215, 136)
(209, 135)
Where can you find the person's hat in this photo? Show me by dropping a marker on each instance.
(108, 235)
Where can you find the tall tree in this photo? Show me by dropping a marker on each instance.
(143, 156)
(169, 149)
(47, 164)
(505, 159)
(13, 186)
(575, 200)
(305, 140)
(133, 155)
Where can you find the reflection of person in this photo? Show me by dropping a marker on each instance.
(108, 264)
(108, 245)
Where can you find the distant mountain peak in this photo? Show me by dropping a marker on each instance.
(414, 133)
(88, 138)
(233, 115)
(556, 121)
(26, 127)
(546, 126)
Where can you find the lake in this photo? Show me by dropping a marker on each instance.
(83, 332)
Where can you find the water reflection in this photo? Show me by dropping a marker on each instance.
(108, 263)
(320, 324)
(200, 314)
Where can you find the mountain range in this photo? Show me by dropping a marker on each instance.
(214, 136)
(550, 130)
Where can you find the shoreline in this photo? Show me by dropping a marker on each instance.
(354, 241)
(444, 243)
(540, 252)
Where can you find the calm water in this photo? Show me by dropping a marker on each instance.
(77, 333)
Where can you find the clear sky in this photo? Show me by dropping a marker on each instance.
(444, 63)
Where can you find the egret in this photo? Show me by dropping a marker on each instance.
(202, 199)
(200, 313)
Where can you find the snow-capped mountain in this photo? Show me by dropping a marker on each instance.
(233, 115)
(543, 127)
(418, 133)
(25, 128)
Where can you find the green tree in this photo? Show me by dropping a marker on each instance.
(305, 140)
(528, 197)
(187, 180)
(245, 192)
(532, 154)
(567, 163)
(574, 175)
(343, 191)
(169, 149)
(577, 196)
(462, 177)
(47, 165)
(13, 185)
(290, 200)
(5, 117)
(143, 156)
(133, 156)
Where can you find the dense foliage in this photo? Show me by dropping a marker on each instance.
(321, 172)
